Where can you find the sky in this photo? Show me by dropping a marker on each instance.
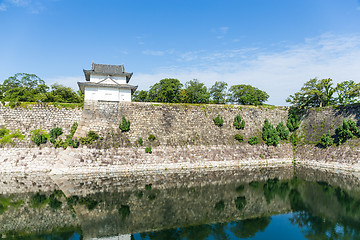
(274, 45)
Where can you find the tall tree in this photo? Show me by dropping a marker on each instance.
(23, 87)
(167, 90)
(60, 93)
(348, 92)
(314, 93)
(140, 96)
(196, 92)
(218, 92)
(247, 95)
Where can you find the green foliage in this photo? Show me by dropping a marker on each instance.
(39, 136)
(240, 203)
(90, 138)
(326, 140)
(247, 95)
(151, 138)
(269, 134)
(62, 94)
(148, 150)
(124, 125)
(88, 202)
(124, 211)
(253, 140)
(140, 141)
(6, 137)
(348, 92)
(320, 93)
(148, 187)
(239, 137)
(254, 184)
(139, 96)
(238, 122)
(218, 92)
(294, 139)
(167, 91)
(293, 121)
(218, 120)
(240, 188)
(220, 206)
(347, 130)
(54, 133)
(282, 131)
(73, 128)
(195, 92)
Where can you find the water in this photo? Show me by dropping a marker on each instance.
(261, 203)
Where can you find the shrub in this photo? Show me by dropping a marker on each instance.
(294, 139)
(238, 122)
(269, 134)
(293, 121)
(282, 131)
(39, 136)
(54, 203)
(4, 131)
(347, 130)
(140, 141)
(148, 150)
(90, 138)
(239, 137)
(124, 125)
(253, 140)
(219, 206)
(326, 140)
(55, 132)
(73, 129)
(38, 200)
(151, 138)
(218, 121)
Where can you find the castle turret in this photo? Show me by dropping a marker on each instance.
(107, 83)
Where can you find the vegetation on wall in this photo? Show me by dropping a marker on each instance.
(39, 136)
(238, 137)
(90, 138)
(347, 130)
(269, 134)
(7, 137)
(253, 140)
(124, 125)
(326, 140)
(238, 122)
(218, 120)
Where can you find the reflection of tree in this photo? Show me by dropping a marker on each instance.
(248, 228)
(320, 228)
(274, 187)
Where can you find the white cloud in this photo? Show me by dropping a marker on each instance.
(33, 7)
(278, 73)
(220, 32)
(157, 53)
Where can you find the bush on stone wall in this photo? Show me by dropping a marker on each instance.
(54, 133)
(293, 121)
(140, 141)
(151, 138)
(239, 137)
(294, 139)
(148, 150)
(253, 140)
(282, 131)
(269, 134)
(238, 122)
(326, 140)
(90, 138)
(39, 136)
(124, 125)
(6, 137)
(218, 121)
(347, 130)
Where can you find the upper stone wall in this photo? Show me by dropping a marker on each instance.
(176, 124)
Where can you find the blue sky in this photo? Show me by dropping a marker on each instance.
(274, 45)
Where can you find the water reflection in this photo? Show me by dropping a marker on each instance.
(229, 204)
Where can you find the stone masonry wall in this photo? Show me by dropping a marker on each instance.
(176, 124)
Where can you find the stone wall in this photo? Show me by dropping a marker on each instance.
(26, 119)
(176, 124)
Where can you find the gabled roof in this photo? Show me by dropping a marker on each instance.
(107, 70)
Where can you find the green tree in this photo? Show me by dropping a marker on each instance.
(326, 140)
(23, 87)
(196, 92)
(247, 95)
(140, 96)
(348, 92)
(60, 93)
(218, 92)
(282, 131)
(314, 93)
(167, 90)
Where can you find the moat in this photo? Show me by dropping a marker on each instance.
(256, 203)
